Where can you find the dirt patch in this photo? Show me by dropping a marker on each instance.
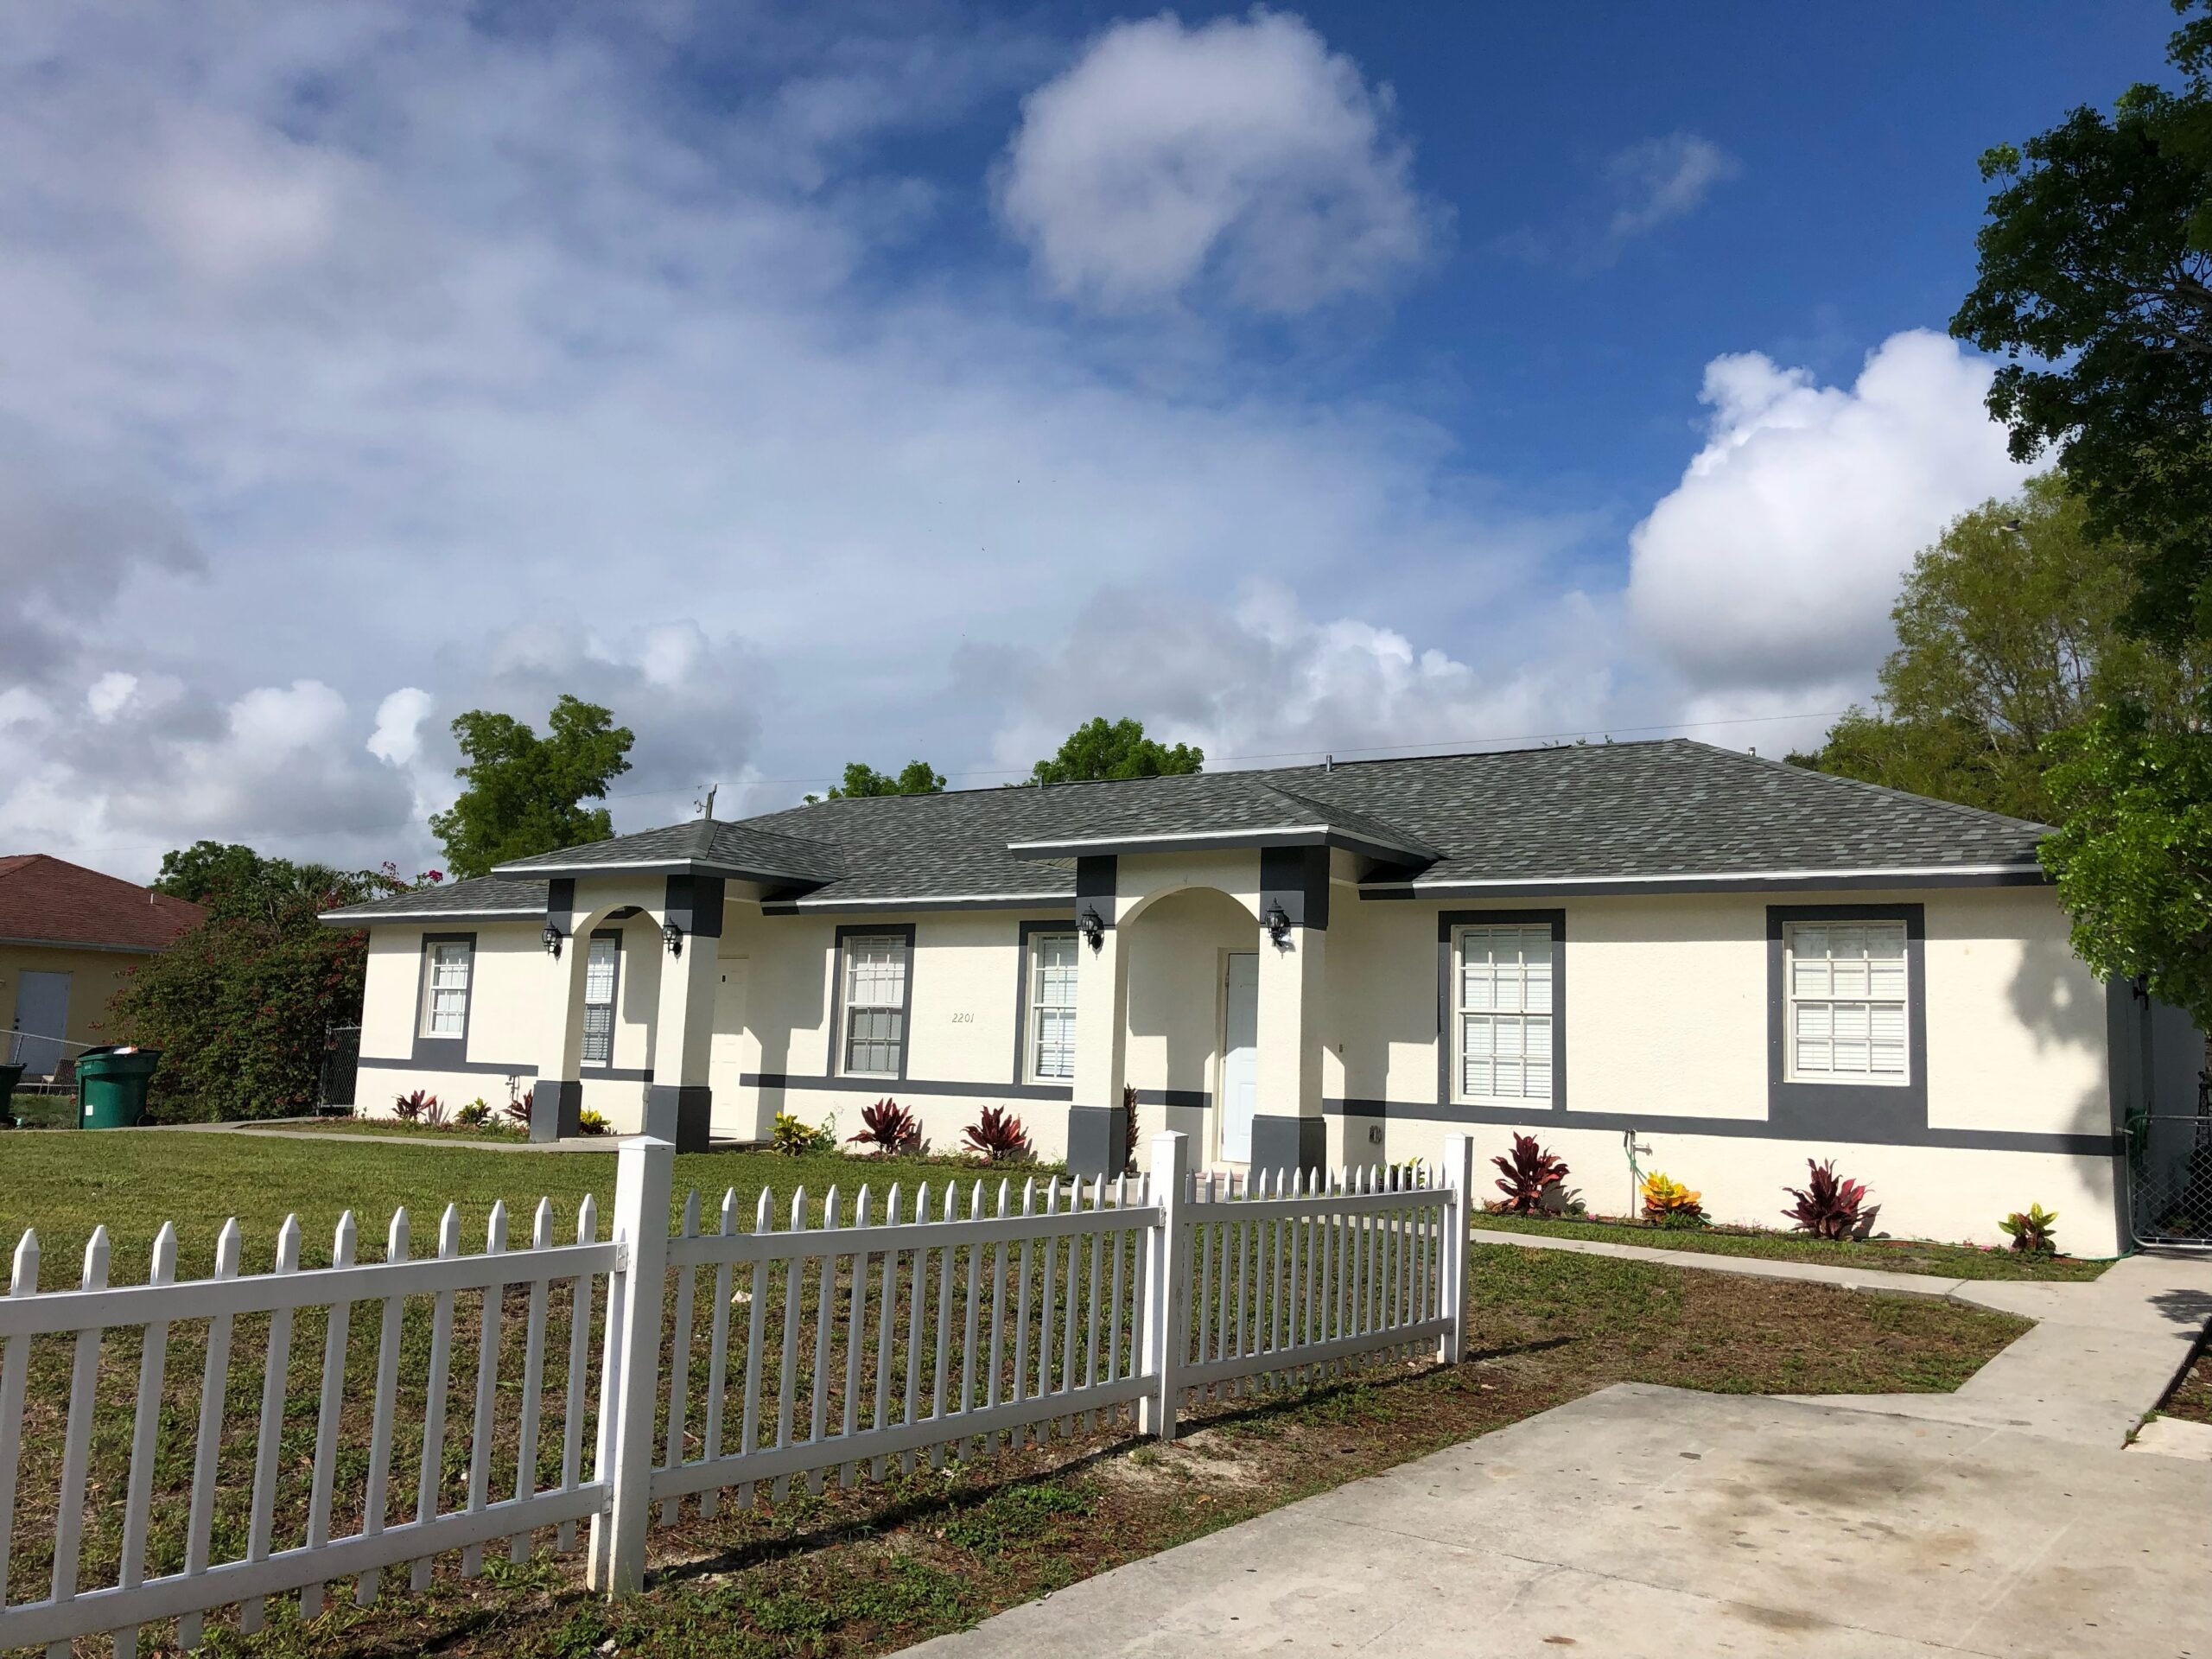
(2192, 1396)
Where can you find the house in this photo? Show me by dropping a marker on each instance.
(69, 937)
(1718, 965)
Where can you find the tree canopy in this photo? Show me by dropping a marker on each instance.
(2010, 630)
(915, 777)
(1100, 748)
(232, 880)
(525, 793)
(2095, 282)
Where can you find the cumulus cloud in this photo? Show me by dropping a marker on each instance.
(398, 737)
(1774, 561)
(1243, 147)
(1662, 179)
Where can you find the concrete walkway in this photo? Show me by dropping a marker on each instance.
(2005, 1520)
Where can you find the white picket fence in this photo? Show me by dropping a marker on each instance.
(971, 1319)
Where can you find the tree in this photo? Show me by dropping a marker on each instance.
(1100, 748)
(917, 777)
(2133, 857)
(240, 1005)
(2010, 630)
(2096, 270)
(525, 792)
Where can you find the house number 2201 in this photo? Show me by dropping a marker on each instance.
(963, 1019)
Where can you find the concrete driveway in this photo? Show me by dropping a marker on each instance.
(1654, 1522)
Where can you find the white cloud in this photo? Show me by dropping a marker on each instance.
(110, 693)
(1241, 147)
(399, 736)
(1774, 561)
(1662, 179)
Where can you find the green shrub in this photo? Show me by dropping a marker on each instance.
(2033, 1230)
(795, 1137)
(474, 1115)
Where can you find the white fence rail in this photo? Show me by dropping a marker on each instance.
(965, 1318)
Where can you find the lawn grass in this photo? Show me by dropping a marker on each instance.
(881, 1565)
(496, 1130)
(1878, 1255)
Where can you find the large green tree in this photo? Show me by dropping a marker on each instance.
(2010, 630)
(915, 778)
(240, 1005)
(2095, 284)
(525, 793)
(1100, 748)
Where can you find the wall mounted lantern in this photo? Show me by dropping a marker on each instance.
(1278, 920)
(673, 936)
(553, 937)
(1093, 926)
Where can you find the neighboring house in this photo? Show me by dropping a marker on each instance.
(68, 938)
(1724, 964)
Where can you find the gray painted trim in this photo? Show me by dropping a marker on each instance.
(1284, 1142)
(496, 1068)
(837, 907)
(1600, 886)
(907, 1086)
(601, 1068)
(680, 1114)
(1098, 1140)
(1098, 883)
(1891, 1112)
(351, 921)
(695, 904)
(561, 903)
(1447, 1040)
(1206, 841)
(436, 1054)
(1742, 1128)
(1297, 878)
(1195, 1099)
(1028, 930)
(879, 930)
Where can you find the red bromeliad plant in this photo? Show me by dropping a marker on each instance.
(998, 1137)
(1526, 1174)
(1831, 1207)
(889, 1127)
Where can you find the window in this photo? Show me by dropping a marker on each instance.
(1502, 996)
(445, 1010)
(1846, 993)
(876, 1005)
(599, 968)
(1051, 1007)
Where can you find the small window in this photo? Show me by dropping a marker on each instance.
(1847, 1002)
(445, 1010)
(876, 1005)
(1503, 989)
(599, 1001)
(1051, 1007)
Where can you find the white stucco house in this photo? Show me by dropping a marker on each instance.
(1726, 964)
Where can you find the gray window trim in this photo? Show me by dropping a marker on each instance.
(863, 930)
(614, 997)
(441, 1050)
(1029, 931)
(1892, 1112)
(1446, 1042)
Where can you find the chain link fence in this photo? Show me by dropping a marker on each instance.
(2170, 1173)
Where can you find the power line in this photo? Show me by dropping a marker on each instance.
(1441, 743)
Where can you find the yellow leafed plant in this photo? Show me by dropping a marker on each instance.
(1666, 1200)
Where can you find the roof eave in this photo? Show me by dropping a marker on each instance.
(1399, 853)
(534, 872)
(1977, 875)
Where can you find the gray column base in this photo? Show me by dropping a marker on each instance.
(556, 1108)
(1288, 1143)
(1098, 1140)
(679, 1113)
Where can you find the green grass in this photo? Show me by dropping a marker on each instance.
(1879, 1255)
(497, 1129)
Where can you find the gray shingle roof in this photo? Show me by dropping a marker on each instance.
(1601, 812)
(486, 895)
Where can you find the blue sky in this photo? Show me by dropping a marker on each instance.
(860, 382)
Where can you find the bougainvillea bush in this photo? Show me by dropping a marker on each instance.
(240, 1006)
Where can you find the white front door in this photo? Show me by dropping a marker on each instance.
(725, 1055)
(41, 1012)
(1240, 1061)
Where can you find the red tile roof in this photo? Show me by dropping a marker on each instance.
(51, 901)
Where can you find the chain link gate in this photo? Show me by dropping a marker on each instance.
(2170, 1173)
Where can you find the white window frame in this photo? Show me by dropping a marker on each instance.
(1839, 980)
(603, 1039)
(1050, 1002)
(1521, 997)
(869, 989)
(437, 953)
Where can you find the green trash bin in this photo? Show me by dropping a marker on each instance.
(10, 1077)
(112, 1086)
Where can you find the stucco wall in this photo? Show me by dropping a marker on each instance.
(94, 978)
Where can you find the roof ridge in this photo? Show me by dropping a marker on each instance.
(1979, 813)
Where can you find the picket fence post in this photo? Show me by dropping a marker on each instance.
(1166, 1316)
(1459, 1176)
(645, 1177)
